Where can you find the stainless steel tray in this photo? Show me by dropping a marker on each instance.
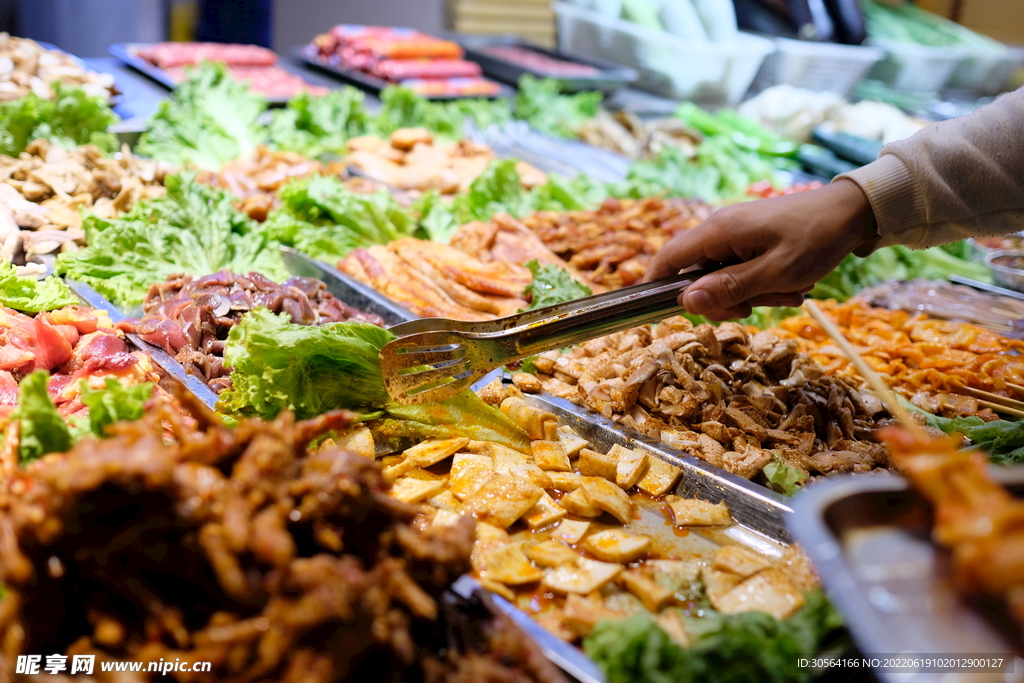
(870, 538)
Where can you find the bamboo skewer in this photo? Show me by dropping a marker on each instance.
(886, 394)
(1000, 408)
(1010, 406)
(1015, 387)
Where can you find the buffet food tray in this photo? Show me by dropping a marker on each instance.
(307, 54)
(127, 53)
(870, 538)
(610, 78)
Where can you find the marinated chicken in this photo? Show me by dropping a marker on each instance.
(43, 191)
(26, 66)
(190, 317)
(926, 360)
(573, 535)
(733, 398)
(410, 159)
(243, 548)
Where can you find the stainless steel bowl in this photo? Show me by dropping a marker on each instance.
(980, 251)
(1006, 276)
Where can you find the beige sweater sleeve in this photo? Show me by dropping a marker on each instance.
(951, 180)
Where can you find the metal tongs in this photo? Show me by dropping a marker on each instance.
(436, 358)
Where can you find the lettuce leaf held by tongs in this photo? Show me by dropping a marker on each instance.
(277, 365)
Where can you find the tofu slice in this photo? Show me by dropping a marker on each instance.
(545, 513)
(586, 576)
(798, 568)
(445, 518)
(553, 621)
(631, 467)
(577, 503)
(359, 441)
(411, 490)
(538, 423)
(594, 464)
(672, 624)
(502, 500)
(497, 588)
(572, 443)
(674, 574)
(433, 451)
(507, 564)
(445, 500)
(700, 513)
(660, 478)
(653, 595)
(463, 461)
(505, 457)
(551, 554)
(487, 538)
(717, 584)
(551, 456)
(739, 560)
(581, 614)
(469, 472)
(608, 497)
(615, 545)
(565, 481)
(570, 531)
(529, 472)
(768, 591)
(399, 469)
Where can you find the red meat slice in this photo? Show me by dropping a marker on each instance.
(52, 348)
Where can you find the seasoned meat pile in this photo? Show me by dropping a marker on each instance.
(190, 317)
(241, 547)
(736, 399)
(614, 244)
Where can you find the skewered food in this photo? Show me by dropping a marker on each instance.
(43, 190)
(190, 317)
(738, 400)
(926, 360)
(288, 564)
(25, 66)
(1000, 314)
(613, 245)
(410, 159)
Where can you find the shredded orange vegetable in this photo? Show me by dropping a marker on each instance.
(924, 359)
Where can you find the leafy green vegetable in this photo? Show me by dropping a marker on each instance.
(1002, 440)
(29, 295)
(496, 190)
(581, 193)
(540, 104)
(43, 430)
(312, 125)
(209, 120)
(783, 477)
(277, 365)
(71, 118)
(437, 217)
(403, 108)
(114, 403)
(324, 219)
(552, 285)
(751, 646)
(895, 263)
(195, 229)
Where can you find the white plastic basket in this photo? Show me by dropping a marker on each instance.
(823, 67)
(908, 66)
(709, 73)
(986, 75)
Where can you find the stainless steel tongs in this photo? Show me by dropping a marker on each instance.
(436, 358)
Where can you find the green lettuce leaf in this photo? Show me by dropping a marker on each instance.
(43, 430)
(71, 118)
(783, 477)
(496, 190)
(437, 217)
(277, 365)
(1001, 439)
(403, 108)
(739, 648)
(540, 104)
(552, 285)
(194, 229)
(321, 217)
(312, 125)
(114, 403)
(30, 295)
(209, 120)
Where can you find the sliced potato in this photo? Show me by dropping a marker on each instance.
(570, 531)
(768, 591)
(586, 576)
(594, 464)
(359, 441)
(660, 477)
(631, 467)
(508, 565)
(411, 490)
(695, 512)
(608, 497)
(739, 560)
(545, 513)
(551, 456)
(577, 503)
(502, 500)
(653, 595)
(565, 481)
(615, 545)
(551, 554)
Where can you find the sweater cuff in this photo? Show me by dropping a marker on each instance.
(890, 188)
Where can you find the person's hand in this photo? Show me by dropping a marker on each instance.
(784, 246)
